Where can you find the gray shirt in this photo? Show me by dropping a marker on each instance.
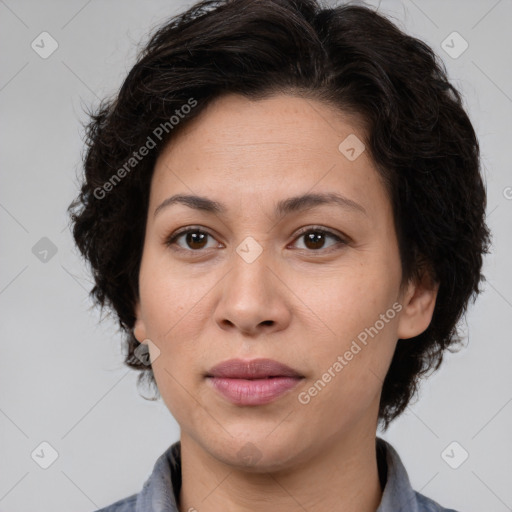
(162, 489)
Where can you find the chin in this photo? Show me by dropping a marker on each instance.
(254, 453)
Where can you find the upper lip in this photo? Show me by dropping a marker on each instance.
(252, 369)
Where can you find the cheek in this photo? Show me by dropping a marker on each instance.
(174, 302)
(176, 330)
(166, 295)
(349, 375)
(345, 302)
(356, 315)
(172, 317)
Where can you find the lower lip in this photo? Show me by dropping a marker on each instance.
(253, 392)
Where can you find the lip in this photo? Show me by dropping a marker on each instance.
(254, 382)
(252, 369)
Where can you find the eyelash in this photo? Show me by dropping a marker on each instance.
(171, 240)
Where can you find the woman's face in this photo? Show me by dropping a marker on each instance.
(314, 285)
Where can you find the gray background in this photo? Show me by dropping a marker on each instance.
(61, 376)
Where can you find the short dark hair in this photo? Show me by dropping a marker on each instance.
(350, 57)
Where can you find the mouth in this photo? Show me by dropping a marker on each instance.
(255, 382)
(253, 391)
(252, 369)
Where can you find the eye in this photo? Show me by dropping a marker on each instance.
(195, 239)
(314, 238)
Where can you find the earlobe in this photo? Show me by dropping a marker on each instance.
(139, 329)
(419, 302)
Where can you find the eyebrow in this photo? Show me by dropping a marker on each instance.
(283, 207)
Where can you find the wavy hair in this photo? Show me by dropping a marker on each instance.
(350, 57)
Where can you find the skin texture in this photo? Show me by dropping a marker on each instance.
(298, 303)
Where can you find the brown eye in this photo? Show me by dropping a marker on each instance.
(194, 239)
(315, 239)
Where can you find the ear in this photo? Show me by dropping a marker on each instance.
(139, 329)
(418, 301)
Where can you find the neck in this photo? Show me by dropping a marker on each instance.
(342, 475)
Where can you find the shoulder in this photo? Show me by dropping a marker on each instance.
(398, 493)
(429, 505)
(123, 505)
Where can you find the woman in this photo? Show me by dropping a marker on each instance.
(284, 208)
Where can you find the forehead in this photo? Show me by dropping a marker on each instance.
(280, 146)
(232, 121)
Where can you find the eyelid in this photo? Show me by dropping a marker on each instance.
(169, 240)
(322, 229)
(341, 238)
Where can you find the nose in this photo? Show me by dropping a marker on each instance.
(253, 298)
